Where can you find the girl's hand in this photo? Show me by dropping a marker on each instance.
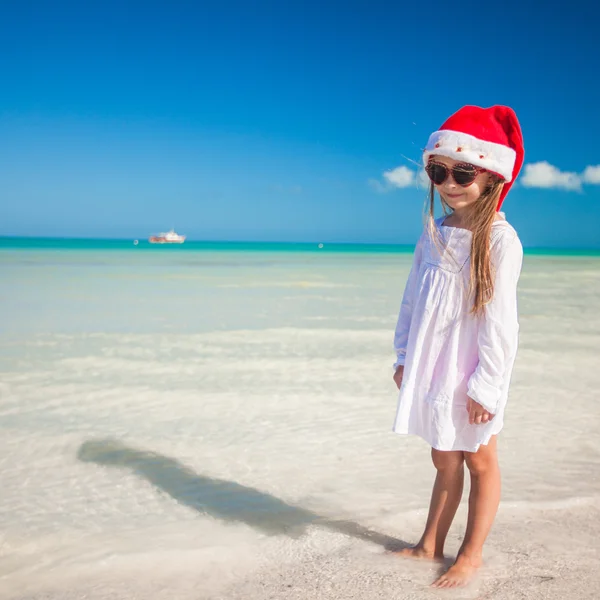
(477, 414)
(398, 376)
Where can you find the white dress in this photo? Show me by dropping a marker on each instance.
(449, 354)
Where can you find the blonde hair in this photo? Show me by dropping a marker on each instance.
(479, 221)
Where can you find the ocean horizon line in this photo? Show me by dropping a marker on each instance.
(16, 242)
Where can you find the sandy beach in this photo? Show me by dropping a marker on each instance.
(233, 440)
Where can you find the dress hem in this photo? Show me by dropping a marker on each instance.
(484, 442)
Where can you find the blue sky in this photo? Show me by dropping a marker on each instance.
(279, 120)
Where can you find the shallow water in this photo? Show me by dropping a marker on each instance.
(229, 408)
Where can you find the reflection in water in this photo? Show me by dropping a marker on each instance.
(220, 498)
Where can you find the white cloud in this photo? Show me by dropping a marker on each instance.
(544, 175)
(400, 177)
(535, 175)
(592, 175)
(423, 180)
(378, 186)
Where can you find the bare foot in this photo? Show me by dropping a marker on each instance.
(418, 552)
(459, 574)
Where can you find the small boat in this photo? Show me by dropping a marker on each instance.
(167, 238)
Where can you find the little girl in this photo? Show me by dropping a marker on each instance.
(457, 331)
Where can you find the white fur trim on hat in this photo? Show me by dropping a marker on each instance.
(496, 158)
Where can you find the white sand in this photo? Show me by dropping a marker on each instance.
(233, 440)
(553, 553)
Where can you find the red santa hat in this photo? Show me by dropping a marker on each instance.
(490, 138)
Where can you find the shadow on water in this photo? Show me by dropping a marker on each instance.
(220, 498)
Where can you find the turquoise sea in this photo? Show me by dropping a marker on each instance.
(216, 246)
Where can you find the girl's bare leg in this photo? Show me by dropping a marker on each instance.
(445, 498)
(483, 505)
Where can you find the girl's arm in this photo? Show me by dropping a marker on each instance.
(499, 327)
(403, 324)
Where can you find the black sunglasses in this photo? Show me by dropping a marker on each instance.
(464, 174)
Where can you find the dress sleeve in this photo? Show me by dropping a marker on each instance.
(499, 328)
(404, 318)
